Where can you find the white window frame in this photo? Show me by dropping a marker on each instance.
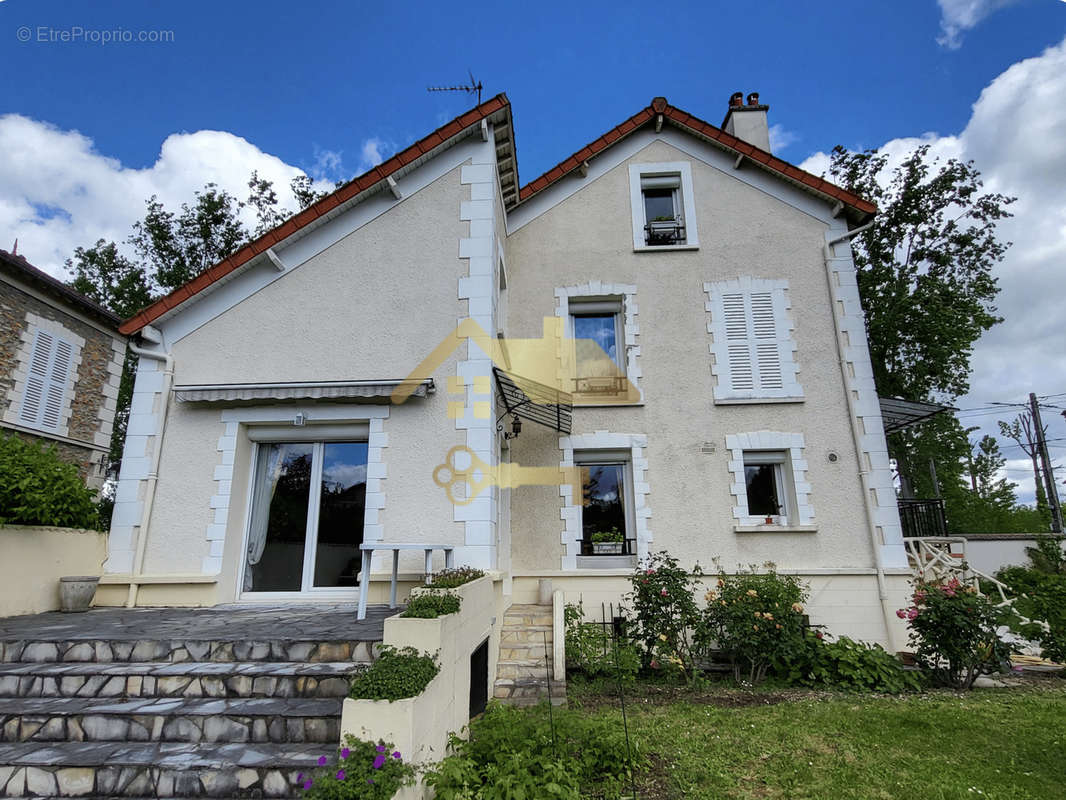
(785, 451)
(604, 446)
(586, 458)
(604, 307)
(685, 204)
(30, 341)
(589, 296)
(723, 336)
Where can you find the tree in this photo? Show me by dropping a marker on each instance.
(927, 289)
(178, 247)
(1022, 431)
(303, 190)
(985, 465)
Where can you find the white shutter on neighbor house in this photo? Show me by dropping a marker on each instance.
(46, 381)
(752, 342)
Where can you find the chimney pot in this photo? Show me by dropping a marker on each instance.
(736, 99)
(753, 99)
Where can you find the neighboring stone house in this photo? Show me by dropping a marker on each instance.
(60, 361)
(736, 416)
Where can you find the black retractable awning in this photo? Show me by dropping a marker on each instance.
(535, 401)
(898, 413)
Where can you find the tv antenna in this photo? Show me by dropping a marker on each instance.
(475, 86)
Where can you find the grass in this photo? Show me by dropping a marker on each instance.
(791, 744)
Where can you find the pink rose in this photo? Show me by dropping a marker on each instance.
(901, 613)
(664, 593)
(912, 613)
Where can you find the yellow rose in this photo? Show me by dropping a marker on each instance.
(752, 593)
(662, 637)
(755, 627)
(797, 608)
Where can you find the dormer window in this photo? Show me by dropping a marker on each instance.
(663, 208)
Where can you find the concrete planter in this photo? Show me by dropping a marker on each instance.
(76, 592)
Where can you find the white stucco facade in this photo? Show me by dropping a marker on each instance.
(369, 293)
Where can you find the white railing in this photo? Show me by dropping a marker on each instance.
(937, 559)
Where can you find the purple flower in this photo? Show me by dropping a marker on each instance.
(340, 774)
(307, 784)
(379, 762)
(370, 781)
(381, 748)
(322, 761)
(299, 777)
(345, 752)
(396, 755)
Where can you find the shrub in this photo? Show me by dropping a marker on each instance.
(363, 770)
(451, 578)
(512, 753)
(1041, 596)
(754, 618)
(662, 600)
(37, 487)
(592, 650)
(431, 605)
(848, 665)
(953, 632)
(396, 675)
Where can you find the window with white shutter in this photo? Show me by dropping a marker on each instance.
(48, 373)
(752, 341)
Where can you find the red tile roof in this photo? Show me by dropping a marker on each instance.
(313, 212)
(688, 122)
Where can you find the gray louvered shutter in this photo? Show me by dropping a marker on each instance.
(752, 347)
(46, 381)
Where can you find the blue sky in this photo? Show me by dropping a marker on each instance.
(88, 130)
(293, 77)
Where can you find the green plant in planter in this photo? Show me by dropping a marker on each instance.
(663, 219)
(432, 605)
(602, 537)
(363, 770)
(396, 675)
(456, 576)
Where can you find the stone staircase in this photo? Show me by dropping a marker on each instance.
(169, 718)
(524, 666)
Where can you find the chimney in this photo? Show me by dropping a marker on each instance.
(747, 121)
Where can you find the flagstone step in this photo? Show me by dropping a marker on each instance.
(156, 769)
(256, 719)
(177, 679)
(524, 667)
(185, 650)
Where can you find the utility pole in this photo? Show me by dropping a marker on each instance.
(1049, 477)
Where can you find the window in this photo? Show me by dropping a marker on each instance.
(599, 347)
(765, 484)
(606, 505)
(662, 204)
(48, 373)
(769, 480)
(753, 345)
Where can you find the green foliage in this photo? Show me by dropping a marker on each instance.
(613, 535)
(513, 755)
(846, 664)
(363, 771)
(431, 605)
(592, 650)
(397, 674)
(37, 487)
(1041, 595)
(457, 576)
(663, 602)
(953, 632)
(755, 618)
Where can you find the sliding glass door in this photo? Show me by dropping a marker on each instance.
(308, 502)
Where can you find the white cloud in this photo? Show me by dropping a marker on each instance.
(372, 154)
(958, 16)
(344, 475)
(780, 138)
(1016, 136)
(57, 192)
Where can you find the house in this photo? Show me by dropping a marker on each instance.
(61, 359)
(302, 397)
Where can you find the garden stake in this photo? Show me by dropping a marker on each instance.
(548, 675)
(625, 723)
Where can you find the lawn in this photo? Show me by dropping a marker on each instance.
(997, 743)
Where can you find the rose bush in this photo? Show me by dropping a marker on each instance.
(662, 598)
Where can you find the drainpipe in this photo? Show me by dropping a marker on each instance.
(856, 435)
(153, 472)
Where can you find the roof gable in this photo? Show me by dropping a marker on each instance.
(660, 112)
(497, 108)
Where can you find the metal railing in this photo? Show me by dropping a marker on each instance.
(922, 518)
(624, 548)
